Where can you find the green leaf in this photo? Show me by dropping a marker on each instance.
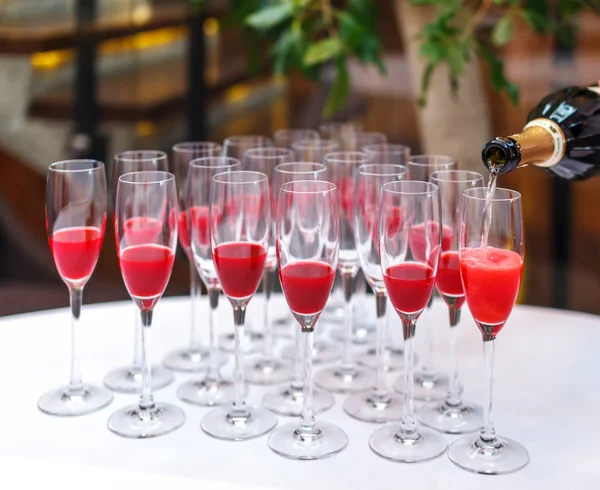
(340, 90)
(324, 50)
(425, 81)
(497, 77)
(265, 18)
(456, 58)
(282, 51)
(434, 50)
(367, 12)
(502, 31)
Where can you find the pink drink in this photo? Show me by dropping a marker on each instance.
(448, 281)
(409, 286)
(240, 267)
(75, 251)
(307, 285)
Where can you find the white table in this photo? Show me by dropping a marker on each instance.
(546, 397)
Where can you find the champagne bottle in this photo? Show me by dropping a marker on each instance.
(562, 134)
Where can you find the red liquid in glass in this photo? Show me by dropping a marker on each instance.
(75, 251)
(409, 286)
(491, 279)
(420, 235)
(448, 278)
(307, 285)
(183, 232)
(240, 266)
(146, 270)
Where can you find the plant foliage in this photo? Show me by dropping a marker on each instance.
(306, 34)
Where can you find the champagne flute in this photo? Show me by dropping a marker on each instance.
(236, 146)
(388, 153)
(194, 357)
(356, 140)
(289, 399)
(335, 130)
(212, 389)
(430, 385)
(378, 405)
(346, 377)
(266, 368)
(452, 415)
(409, 209)
(313, 150)
(307, 246)
(491, 264)
(146, 263)
(240, 222)
(75, 222)
(284, 138)
(128, 379)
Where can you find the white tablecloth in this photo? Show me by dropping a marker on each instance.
(546, 397)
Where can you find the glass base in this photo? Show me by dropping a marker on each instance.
(325, 440)
(288, 401)
(429, 386)
(338, 380)
(251, 422)
(323, 352)
(65, 403)
(393, 358)
(207, 392)
(251, 342)
(268, 370)
(137, 423)
(370, 408)
(128, 379)
(284, 327)
(451, 420)
(424, 445)
(472, 454)
(362, 333)
(190, 360)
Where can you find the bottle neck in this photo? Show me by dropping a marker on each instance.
(541, 143)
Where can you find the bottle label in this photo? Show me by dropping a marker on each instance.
(558, 138)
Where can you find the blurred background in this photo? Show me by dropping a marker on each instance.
(95, 77)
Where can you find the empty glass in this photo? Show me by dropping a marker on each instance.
(388, 153)
(313, 150)
(236, 146)
(285, 137)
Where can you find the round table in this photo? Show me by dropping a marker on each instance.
(545, 397)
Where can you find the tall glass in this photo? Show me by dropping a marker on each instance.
(240, 222)
(75, 222)
(378, 405)
(194, 357)
(285, 137)
(388, 153)
(452, 416)
(335, 129)
(212, 389)
(266, 368)
(491, 264)
(128, 379)
(430, 384)
(289, 399)
(313, 150)
(346, 377)
(307, 245)
(236, 146)
(146, 262)
(356, 140)
(410, 246)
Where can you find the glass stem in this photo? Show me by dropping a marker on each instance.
(137, 340)
(146, 398)
(297, 383)
(488, 432)
(408, 424)
(453, 399)
(239, 314)
(427, 360)
(380, 387)
(213, 356)
(75, 383)
(267, 283)
(195, 295)
(307, 418)
(348, 285)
